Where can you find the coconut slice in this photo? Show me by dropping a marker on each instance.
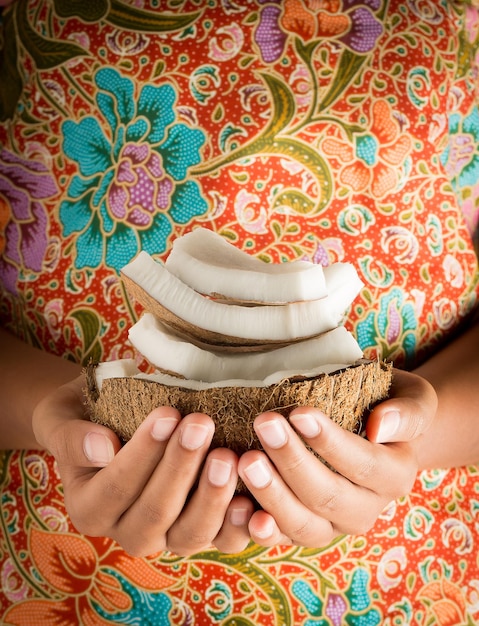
(123, 368)
(209, 264)
(169, 353)
(204, 320)
(123, 403)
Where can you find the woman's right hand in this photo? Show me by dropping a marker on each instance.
(160, 491)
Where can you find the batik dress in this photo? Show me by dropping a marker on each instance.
(327, 130)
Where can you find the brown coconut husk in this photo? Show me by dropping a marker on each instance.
(345, 396)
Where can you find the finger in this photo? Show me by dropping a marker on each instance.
(202, 519)
(370, 469)
(265, 531)
(294, 520)
(407, 413)
(358, 485)
(234, 535)
(62, 427)
(155, 503)
(119, 484)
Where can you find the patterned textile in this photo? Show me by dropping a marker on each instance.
(331, 130)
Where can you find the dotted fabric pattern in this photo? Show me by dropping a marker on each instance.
(328, 131)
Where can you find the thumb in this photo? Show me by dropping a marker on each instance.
(62, 427)
(407, 413)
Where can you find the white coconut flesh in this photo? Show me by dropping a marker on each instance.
(192, 340)
(166, 351)
(127, 368)
(210, 265)
(149, 281)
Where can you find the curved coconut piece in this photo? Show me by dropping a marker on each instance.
(209, 264)
(123, 403)
(122, 368)
(204, 320)
(169, 353)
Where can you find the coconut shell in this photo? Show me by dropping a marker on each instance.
(345, 396)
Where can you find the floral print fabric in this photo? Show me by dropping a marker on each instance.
(337, 130)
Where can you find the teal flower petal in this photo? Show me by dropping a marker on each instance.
(89, 246)
(469, 175)
(122, 91)
(470, 123)
(121, 246)
(76, 215)
(367, 149)
(358, 594)
(181, 150)
(85, 143)
(366, 332)
(305, 594)
(156, 105)
(108, 223)
(106, 104)
(79, 186)
(154, 240)
(454, 123)
(187, 202)
(137, 131)
(102, 187)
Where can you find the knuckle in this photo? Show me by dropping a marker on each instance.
(189, 544)
(152, 514)
(366, 470)
(294, 462)
(138, 549)
(325, 501)
(312, 534)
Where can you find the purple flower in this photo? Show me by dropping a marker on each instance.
(23, 218)
(351, 22)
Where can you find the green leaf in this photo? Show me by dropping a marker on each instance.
(305, 51)
(269, 142)
(10, 78)
(46, 53)
(130, 18)
(86, 10)
(90, 328)
(296, 200)
(311, 159)
(349, 66)
(284, 106)
(257, 576)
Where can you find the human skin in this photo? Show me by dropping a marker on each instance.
(302, 501)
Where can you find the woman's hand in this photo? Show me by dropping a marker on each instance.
(161, 490)
(303, 501)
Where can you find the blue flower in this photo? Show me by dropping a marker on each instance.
(132, 183)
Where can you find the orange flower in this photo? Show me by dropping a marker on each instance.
(445, 600)
(86, 576)
(374, 159)
(316, 19)
(340, 20)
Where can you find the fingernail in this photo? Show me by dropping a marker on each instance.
(98, 449)
(267, 530)
(239, 517)
(273, 433)
(162, 428)
(306, 424)
(258, 474)
(388, 427)
(219, 472)
(193, 436)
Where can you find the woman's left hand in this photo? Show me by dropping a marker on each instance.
(302, 501)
